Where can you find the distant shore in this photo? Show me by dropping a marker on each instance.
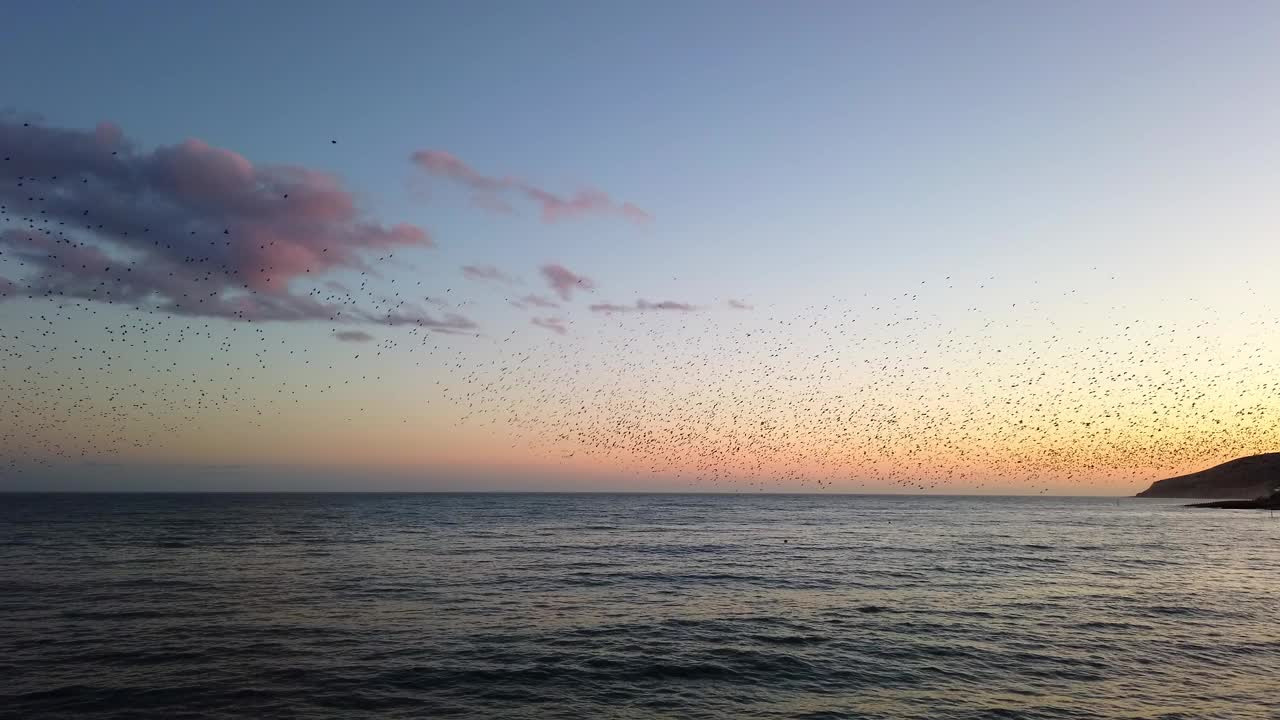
(1262, 503)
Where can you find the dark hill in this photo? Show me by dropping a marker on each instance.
(1244, 479)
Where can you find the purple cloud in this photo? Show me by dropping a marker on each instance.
(488, 192)
(642, 306)
(188, 229)
(564, 281)
(555, 325)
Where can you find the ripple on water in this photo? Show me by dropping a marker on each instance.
(632, 606)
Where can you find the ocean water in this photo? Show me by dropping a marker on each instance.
(634, 606)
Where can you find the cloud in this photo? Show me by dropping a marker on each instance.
(642, 306)
(188, 229)
(534, 300)
(555, 325)
(539, 301)
(739, 305)
(353, 336)
(486, 272)
(490, 192)
(564, 281)
(451, 322)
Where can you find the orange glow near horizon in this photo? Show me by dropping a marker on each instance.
(1068, 397)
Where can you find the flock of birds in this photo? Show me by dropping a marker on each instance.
(151, 297)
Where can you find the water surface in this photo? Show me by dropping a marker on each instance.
(634, 606)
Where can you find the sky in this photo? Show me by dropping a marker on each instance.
(838, 247)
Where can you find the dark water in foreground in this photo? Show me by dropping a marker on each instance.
(578, 606)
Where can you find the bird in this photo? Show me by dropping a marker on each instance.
(132, 331)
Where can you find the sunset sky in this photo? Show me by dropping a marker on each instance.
(925, 247)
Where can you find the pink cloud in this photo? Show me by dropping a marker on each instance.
(642, 306)
(447, 165)
(207, 232)
(488, 191)
(555, 325)
(564, 281)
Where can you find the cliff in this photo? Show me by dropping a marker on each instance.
(1245, 478)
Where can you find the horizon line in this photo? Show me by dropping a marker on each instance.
(559, 492)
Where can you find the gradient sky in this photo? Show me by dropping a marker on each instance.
(1086, 190)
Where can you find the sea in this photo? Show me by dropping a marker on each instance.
(634, 606)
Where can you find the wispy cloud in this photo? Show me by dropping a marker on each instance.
(539, 301)
(564, 281)
(555, 325)
(491, 192)
(643, 306)
(739, 305)
(189, 229)
(486, 272)
(534, 300)
(450, 322)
